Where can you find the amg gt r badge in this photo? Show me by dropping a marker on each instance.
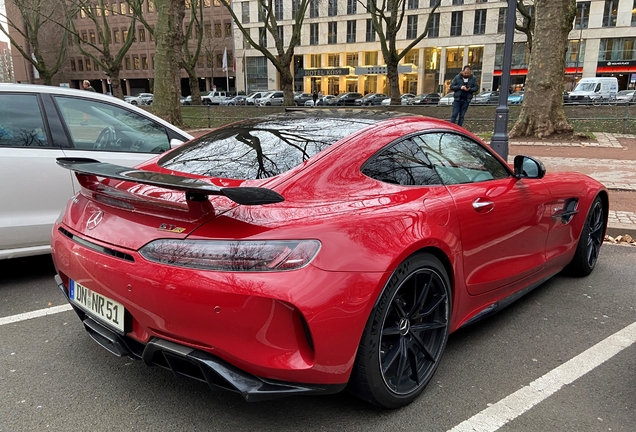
(171, 228)
(94, 219)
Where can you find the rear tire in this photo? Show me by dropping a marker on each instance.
(405, 335)
(590, 241)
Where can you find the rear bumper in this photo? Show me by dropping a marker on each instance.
(188, 362)
(301, 326)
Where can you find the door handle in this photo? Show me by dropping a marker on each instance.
(483, 206)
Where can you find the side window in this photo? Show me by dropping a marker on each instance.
(457, 159)
(404, 163)
(21, 123)
(101, 126)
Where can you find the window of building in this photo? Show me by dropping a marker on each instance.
(228, 29)
(73, 68)
(245, 12)
(281, 33)
(217, 30)
(501, 21)
(127, 63)
(609, 13)
(80, 65)
(84, 36)
(352, 7)
(351, 59)
(144, 62)
(188, 4)
(124, 35)
(634, 14)
(219, 60)
(617, 49)
(481, 1)
(412, 57)
(332, 7)
(152, 35)
(313, 34)
(480, 22)
(433, 30)
(458, 2)
(575, 55)
(123, 8)
(256, 71)
(333, 60)
(142, 35)
(351, 31)
(262, 37)
(295, 8)
(206, 3)
(207, 29)
(332, 32)
(88, 64)
(456, 23)
(583, 14)
(370, 58)
(313, 8)
(278, 9)
(413, 4)
(315, 60)
(151, 6)
(136, 63)
(116, 36)
(370, 32)
(411, 26)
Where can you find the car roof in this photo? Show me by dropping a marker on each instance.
(63, 91)
(356, 114)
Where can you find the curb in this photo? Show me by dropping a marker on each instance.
(615, 230)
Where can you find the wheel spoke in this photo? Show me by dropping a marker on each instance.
(391, 331)
(414, 366)
(401, 364)
(430, 308)
(398, 307)
(420, 301)
(390, 357)
(422, 327)
(422, 347)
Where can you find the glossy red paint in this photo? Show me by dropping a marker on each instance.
(366, 229)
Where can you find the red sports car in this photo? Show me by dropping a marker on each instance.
(309, 251)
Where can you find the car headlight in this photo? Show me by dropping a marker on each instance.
(233, 255)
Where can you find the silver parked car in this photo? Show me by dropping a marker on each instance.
(41, 123)
(274, 98)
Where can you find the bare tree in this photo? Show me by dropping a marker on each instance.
(526, 26)
(542, 111)
(285, 54)
(387, 17)
(99, 50)
(169, 36)
(36, 22)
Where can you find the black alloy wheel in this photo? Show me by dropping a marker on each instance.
(406, 334)
(590, 241)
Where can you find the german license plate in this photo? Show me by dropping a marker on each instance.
(97, 305)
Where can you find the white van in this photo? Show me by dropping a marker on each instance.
(595, 90)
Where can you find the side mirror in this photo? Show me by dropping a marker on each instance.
(527, 167)
(175, 142)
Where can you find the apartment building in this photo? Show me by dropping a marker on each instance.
(6, 63)
(138, 64)
(339, 51)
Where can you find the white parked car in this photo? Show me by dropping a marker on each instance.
(448, 99)
(404, 99)
(41, 123)
(625, 96)
(252, 98)
(274, 98)
(140, 99)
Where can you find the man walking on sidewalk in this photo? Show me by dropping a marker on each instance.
(464, 85)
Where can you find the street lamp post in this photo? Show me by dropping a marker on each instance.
(499, 141)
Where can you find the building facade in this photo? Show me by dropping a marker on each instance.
(137, 72)
(6, 63)
(339, 51)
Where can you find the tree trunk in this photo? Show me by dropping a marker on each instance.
(394, 80)
(169, 36)
(115, 83)
(542, 112)
(194, 85)
(287, 81)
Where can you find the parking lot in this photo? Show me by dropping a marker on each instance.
(54, 377)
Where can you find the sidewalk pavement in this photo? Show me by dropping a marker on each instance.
(618, 175)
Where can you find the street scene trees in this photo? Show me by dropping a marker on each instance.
(387, 18)
(270, 12)
(36, 21)
(542, 110)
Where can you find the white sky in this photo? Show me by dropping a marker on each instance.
(2, 36)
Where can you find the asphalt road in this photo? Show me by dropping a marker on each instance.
(53, 377)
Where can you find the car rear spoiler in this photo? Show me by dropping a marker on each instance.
(195, 190)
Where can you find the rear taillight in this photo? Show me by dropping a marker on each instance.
(224, 255)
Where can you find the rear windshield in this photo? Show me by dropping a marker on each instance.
(259, 148)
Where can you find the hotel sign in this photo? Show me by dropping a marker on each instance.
(326, 71)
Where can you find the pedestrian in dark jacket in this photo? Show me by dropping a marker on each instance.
(464, 85)
(87, 85)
